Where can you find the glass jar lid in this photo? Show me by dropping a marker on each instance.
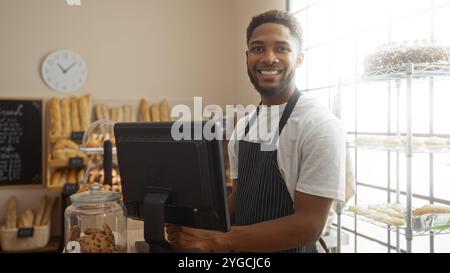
(96, 194)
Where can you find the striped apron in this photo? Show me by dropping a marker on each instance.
(262, 194)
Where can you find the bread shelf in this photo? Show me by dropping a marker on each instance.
(99, 150)
(401, 149)
(401, 229)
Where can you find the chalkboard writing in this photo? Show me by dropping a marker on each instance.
(21, 142)
(76, 162)
(77, 137)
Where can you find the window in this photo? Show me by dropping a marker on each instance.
(338, 35)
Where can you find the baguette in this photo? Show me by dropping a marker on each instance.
(11, 213)
(56, 177)
(40, 211)
(144, 113)
(74, 114)
(65, 117)
(126, 113)
(55, 118)
(26, 219)
(113, 113)
(164, 110)
(72, 177)
(99, 111)
(80, 175)
(132, 114)
(83, 109)
(88, 100)
(154, 108)
(48, 211)
(119, 114)
(105, 111)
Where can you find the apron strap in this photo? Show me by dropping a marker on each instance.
(284, 117)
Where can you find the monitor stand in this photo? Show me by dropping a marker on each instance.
(154, 221)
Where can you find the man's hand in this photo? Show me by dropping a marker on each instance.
(192, 238)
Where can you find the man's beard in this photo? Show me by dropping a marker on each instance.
(273, 91)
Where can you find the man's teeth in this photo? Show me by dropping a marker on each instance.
(269, 72)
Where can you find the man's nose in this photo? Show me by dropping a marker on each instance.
(270, 57)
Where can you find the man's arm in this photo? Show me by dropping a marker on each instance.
(304, 227)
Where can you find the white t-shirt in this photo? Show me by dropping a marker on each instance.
(310, 150)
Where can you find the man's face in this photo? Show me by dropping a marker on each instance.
(272, 58)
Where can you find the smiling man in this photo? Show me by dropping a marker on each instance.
(280, 198)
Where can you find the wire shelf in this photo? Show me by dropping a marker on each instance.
(99, 150)
(419, 71)
(401, 149)
(401, 229)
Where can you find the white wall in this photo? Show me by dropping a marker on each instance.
(157, 49)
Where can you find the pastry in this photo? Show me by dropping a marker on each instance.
(65, 118)
(154, 109)
(74, 114)
(55, 118)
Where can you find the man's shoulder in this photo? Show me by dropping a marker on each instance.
(310, 113)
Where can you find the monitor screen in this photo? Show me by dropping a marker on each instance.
(188, 171)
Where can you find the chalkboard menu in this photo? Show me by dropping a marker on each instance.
(21, 146)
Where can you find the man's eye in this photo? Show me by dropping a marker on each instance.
(282, 49)
(257, 49)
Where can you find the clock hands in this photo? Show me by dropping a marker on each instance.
(70, 67)
(62, 69)
(67, 69)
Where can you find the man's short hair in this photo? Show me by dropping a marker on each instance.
(279, 17)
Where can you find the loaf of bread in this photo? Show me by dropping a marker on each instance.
(105, 111)
(72, 178)
(40, 211)
(26, 219)
(56, 177)
(84, 106)
(132, 114)
(431, 209)
(74, 114)
(66, 119)
(11, 213)
(156, 116)
(164, 110)
(144, 110)
(55, 118)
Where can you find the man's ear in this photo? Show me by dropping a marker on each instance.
(299, 59)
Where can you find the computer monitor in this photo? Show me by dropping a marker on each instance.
(166, 179)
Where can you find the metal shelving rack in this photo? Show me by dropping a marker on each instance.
(407, 72)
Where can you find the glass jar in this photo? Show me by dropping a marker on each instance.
(95, 222)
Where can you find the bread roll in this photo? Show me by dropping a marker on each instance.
(48, 211)
(65, 118)
(11, 213)
(66, 143)
(55, 118)
(74, 114)
(144, 113)
(26, 219)
(40, 211)
(154, 108)
(164, 110)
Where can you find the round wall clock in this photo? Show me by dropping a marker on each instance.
(64, 71)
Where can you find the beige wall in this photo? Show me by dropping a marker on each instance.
(173, 49)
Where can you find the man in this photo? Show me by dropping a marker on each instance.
(280, 197)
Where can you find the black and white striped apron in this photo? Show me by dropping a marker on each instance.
(262, 194)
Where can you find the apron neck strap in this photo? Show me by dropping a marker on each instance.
(284, 117)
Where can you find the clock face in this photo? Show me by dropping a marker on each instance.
(64, 71)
